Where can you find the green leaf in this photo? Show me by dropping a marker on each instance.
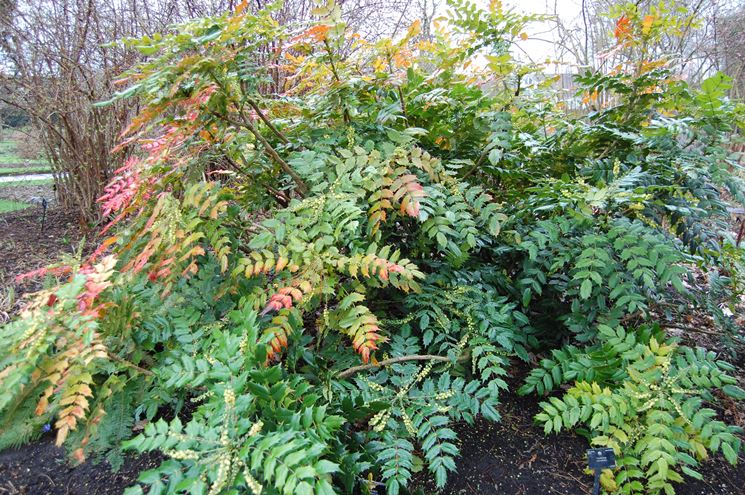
(729, 453)
(326, 467)
(304, 488)
(734, 391)
(424, 321)
(690, 472)
(150, 476)
(662, 468)
(261, 241)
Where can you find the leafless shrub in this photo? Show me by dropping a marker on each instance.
(58, 67)
(56, 61)
(28, 144)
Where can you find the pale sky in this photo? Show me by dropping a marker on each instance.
(539, 49)
(540, 44)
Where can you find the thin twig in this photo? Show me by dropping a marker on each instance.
(347, 119)
(302, 188)
(128, 364)
(268, 122)
(413, 357)
(693, 329)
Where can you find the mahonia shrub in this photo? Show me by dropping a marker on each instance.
(646, 399)
(323, 252)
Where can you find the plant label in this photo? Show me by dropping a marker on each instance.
(601, 458)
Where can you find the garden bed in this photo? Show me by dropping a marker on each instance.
(509, 457)
(26, 246)
(392, 250)
(40, 468)
(514, 457)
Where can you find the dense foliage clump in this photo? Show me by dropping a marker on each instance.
(324, 252)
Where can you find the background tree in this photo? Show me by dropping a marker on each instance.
(706, 35)
(57, 61)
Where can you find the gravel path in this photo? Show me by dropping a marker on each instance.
(22, 178)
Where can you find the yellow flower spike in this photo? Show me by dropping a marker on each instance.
(255, 428)
(252, 483)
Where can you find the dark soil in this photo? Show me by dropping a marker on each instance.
(25, 246)
(41, 469)
(514, 457)
(511, 457)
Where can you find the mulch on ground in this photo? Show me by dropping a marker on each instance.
(40, 468)
(26, 245)
(511, 457)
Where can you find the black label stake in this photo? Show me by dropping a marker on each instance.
(597, 460)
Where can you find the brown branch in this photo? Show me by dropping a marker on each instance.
(278, 196)
(685, 328)
(302, 188)
(398, 89)
(126, 363)
(347, 119)
(403, 103)
(413, 357)
(268, 122)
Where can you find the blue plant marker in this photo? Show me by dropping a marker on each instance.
(599, 459)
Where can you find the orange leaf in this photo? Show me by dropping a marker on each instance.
(316, 33)
(241, 6)
(62, 434)
(623, 28)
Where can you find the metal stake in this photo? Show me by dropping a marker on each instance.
(43, 214)
(596, 485)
